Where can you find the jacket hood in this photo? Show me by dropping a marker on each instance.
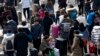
(9, 36)
(21, 26)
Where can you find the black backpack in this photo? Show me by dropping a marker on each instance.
(9, 45)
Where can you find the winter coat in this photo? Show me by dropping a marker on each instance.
(21, 43)
(47, 21)
(13, 25)
(36, 31)
(24, 28)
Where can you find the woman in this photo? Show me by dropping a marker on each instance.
(77, 45)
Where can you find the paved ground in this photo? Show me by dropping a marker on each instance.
(19, 9)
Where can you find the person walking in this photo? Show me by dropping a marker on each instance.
(47, 22)
(77, 45)
(21, 43)
(36, 30)
(26, 4)
(8, 43)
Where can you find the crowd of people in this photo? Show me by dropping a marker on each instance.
(48, 33)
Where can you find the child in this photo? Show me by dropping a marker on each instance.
(44, 47)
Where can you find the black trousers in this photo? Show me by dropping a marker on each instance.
(21, 53)
(10, 53)
(81, 7)
(36, 43)
(28, 12)
(46, 31)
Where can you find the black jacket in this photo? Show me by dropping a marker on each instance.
(21, 43)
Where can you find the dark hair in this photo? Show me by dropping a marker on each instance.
(76, 31)
(24, 23)
(47, 13)
(9, 17)
(76, 24)
(46, 37)
(97, 23)
(81, 25)
(43, 6)
(20, 30)
(80, 13)
(58, 12)
(65, 16)
(97, 13)
(9, 31)
(71, 6)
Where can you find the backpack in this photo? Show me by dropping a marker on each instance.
(41, 14)
(9, 45)
(55, 30)
(65, 27)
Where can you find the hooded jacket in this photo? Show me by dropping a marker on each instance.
(6, 37)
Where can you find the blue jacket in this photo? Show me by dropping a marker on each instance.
(90, 18)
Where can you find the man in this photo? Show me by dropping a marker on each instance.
(47, 22)
(26, 4)
(36, 30)
(80, 5)
(21, 43)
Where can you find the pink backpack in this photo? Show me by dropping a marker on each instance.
(55, 30)
(41, 14)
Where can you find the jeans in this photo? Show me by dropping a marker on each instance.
(28, 12)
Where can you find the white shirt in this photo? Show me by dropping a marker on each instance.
(26, 3)
(82, 19)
